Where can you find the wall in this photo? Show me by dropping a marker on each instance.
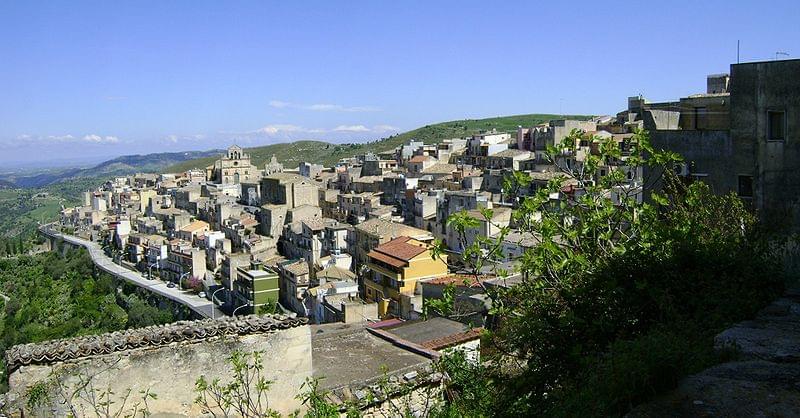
(171, 370)
(755, 89)
(705, 152)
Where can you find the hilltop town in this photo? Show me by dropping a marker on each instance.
(352, 242)
(366, 245)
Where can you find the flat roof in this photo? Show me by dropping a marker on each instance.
(347, 354)
(420, 332)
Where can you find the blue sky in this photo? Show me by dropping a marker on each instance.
(81, 79)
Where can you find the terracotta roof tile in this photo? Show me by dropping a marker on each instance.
(453, 340)
(386, 259)
(401, 248)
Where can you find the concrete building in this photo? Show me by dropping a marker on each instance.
(538, 138)
(487, 228)
(744, 140)
(184, 261)
(310, 170)
(355, 208)
(294, 281)
(255, 290)
(191, 231)
(369, 234)
(394, 270)
(288, 189)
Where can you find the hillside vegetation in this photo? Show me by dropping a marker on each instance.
(120, 166)
(291, 154)
(50, 295)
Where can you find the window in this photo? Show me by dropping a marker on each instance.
(776, 126)
(746, 186)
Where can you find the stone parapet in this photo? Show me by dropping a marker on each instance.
(154, 336)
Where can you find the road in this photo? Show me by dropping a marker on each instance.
(197, 304)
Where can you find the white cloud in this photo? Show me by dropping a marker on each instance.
(279, 129)
(323, 107)
(97, 139)
(351, 128)
(279, 104)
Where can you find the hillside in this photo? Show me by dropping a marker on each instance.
(291, 154)
(127, 164)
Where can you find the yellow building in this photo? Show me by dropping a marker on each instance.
(395, 268)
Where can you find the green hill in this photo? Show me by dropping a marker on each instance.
(291, 154)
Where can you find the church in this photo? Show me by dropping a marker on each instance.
(233, 168)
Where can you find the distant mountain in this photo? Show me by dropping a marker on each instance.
(292, 153)
(127, 164)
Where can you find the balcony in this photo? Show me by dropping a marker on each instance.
(384, 271)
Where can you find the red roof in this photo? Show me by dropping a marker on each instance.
(400, 248)
(386, 259)
(397, 252)
(453, 340)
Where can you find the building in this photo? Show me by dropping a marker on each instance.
(184, 261)
(367, 235)
(233, 168)
(744, 140)
(273, 166)
(288, 189)
(538, 138)
(394, 270)
(355, 208)
(487, 228)
(439, 334)
(310, 170)
(192, 231)
(255, 290)
(294, 281)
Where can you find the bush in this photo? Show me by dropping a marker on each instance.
(620, 299)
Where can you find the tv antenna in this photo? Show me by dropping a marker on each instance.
(781, 53)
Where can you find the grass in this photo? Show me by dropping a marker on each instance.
(291, 154)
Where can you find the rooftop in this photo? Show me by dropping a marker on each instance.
(348, 354)
(441, 168)
(297, 268)
(398, 251)
(435, 333)
(512, 153)
(384, 227)
(336, 273)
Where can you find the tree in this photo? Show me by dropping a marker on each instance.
(612, 266)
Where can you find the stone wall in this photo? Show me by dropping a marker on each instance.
(165, 360)
(762, 381)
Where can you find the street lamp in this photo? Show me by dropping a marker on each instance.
(213, 304)
(239, 307)
(181, 278)
(150, 267)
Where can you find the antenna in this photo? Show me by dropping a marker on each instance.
(785, 54)
(737, 50)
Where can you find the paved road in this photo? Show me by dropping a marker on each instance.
(200, 305)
